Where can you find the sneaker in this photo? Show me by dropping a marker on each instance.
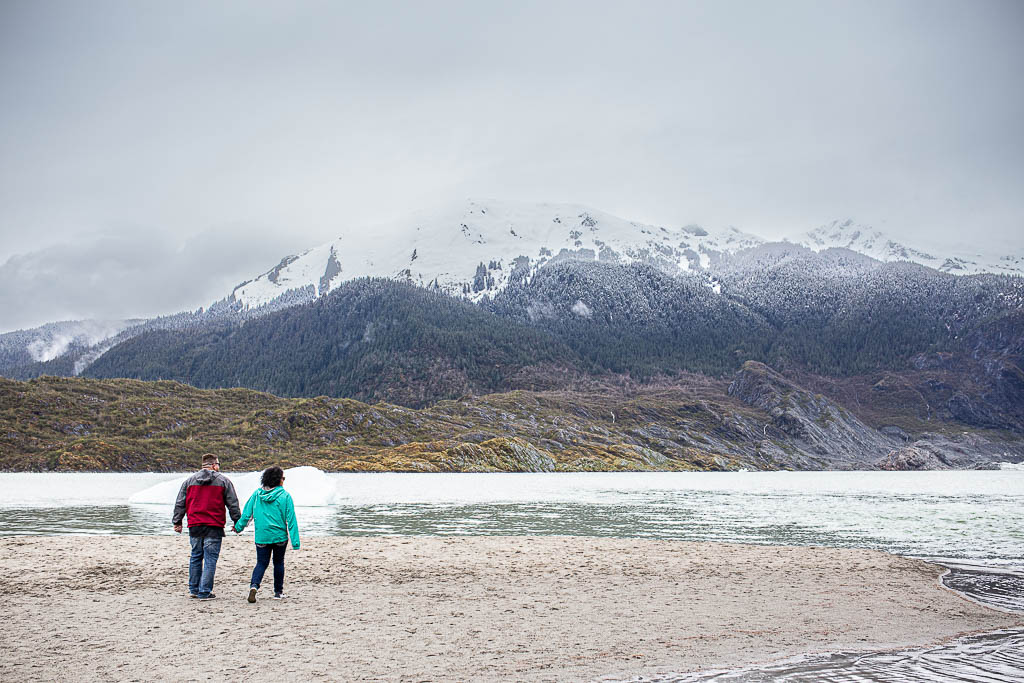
(278, 596)
(211, 596)
(252, 595)
(193, 595)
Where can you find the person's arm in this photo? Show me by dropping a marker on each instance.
(293, 524)
(231, 500)
(243, 519)
(179, 506)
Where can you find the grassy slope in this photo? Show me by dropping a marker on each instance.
(687, 423)
(125, 425)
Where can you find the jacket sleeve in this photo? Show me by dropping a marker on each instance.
(179, 503)
(231, 500)
(293, 524)
(242, 520)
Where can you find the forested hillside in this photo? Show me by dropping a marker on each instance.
(829, 314)
(370, 339)
(636, 319)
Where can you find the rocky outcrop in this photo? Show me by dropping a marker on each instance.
(912, 458)
(812, 432)
(966, 450)
(519, 456)
(498, 455)
(820, 433)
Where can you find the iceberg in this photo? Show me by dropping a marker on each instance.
(309, 487)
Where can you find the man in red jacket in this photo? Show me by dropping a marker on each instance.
(203, 497)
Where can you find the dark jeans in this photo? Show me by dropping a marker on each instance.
(202, 564)
(263, 554)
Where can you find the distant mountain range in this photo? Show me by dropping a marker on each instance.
(848, 344)
(472, 251)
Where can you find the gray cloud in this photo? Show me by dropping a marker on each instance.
(131, 273)
(314, 118)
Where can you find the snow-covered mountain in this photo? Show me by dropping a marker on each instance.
(472, 250)
(876, 244)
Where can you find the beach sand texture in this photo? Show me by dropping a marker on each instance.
(468, 608)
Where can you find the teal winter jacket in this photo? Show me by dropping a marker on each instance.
(274, 513)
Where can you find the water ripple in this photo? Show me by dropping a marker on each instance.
(996, 657)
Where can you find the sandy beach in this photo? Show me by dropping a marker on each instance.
(477, 608)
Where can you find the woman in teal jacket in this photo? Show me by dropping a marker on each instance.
(272, 508)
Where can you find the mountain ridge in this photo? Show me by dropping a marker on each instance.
(446, 250)
(476, 251)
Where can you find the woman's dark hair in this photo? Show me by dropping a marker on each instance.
(272, 476)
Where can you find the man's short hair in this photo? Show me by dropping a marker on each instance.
(210, 459)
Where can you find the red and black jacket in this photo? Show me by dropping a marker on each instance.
(203, 497)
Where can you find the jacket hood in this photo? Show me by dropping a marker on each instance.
(205, 476)
(271, 495)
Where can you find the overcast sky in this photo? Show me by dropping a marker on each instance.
(153, 155)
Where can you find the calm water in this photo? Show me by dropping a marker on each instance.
(973, 517)
(972, 521)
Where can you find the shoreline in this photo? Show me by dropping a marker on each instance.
(549, 608)
(766, 668)
(964, 596)
(1007, 465)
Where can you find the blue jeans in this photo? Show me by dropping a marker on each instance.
(202, 564)
(263, 559)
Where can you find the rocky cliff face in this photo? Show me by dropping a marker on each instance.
(811, 428)
(814, 432)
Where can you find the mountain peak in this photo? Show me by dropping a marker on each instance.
(872, 242)
(472, 249)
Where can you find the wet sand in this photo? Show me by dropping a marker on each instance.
(447, 609)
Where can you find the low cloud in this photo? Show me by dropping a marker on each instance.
(130, 274)
(54, 340)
